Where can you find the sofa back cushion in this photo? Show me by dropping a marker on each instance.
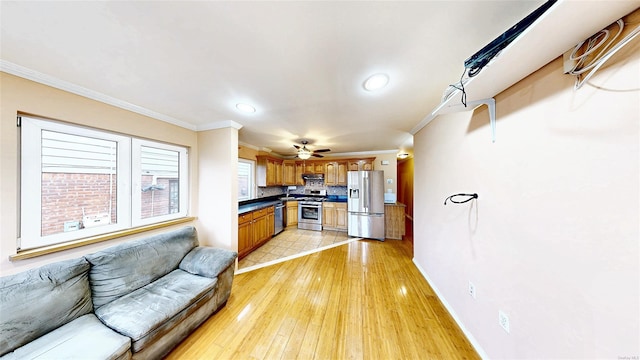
(37, 301)
(121, 269)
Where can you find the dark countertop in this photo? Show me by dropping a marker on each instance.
(257, 204)
(242, 209)
(337, 198)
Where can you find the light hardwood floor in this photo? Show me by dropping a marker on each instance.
(362, 300)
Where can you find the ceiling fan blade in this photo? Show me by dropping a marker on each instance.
(317, 155)
(321, 150)
(296, 146)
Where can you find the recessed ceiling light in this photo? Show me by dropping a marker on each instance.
(245, 108)
(376, 82)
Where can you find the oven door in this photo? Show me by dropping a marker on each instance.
(310, 216)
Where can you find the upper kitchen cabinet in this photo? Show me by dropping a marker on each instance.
(269, 171)
(313, 167)
(289, 172)
(336, 173)
(361, 164)
(299, 172)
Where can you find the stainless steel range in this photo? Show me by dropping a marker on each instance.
(310, 209)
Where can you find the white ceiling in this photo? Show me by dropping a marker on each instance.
(301, 64)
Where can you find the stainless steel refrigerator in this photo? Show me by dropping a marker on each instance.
(365, 204)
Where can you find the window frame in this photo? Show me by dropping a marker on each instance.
(252, 179)
(136, 172)
(31, 171)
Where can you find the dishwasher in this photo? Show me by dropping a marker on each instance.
(278, 218)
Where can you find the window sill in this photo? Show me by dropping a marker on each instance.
(31, 253)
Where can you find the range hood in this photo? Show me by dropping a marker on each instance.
(313, 176)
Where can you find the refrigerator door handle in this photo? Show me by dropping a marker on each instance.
(367, 193)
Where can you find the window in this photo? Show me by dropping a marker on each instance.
(78, 182)
(245, 179)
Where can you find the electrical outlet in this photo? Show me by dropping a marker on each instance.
(472, 290)
(503, 319)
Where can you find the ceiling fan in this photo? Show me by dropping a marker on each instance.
(304, 153)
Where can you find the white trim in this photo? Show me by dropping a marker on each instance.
(23, 72)
(136, 173)
(453, 314)
(364, 153)
(219, 125)
(248, 145)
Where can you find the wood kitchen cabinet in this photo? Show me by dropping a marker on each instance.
(289, 172)
(309, 167)
(394, 220)
(254, 229)
(245, 234)
(292, 213)
(335, 173)
(299, 172)
(272, 171)
(361, 164)
(269, 171)
(341, 216)
(334, 216)
(278, 173)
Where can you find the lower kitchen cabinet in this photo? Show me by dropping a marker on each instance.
(394, 220)
(292, 213)
(341, 216)
(245, 234)
(254, 229)
(334, 216)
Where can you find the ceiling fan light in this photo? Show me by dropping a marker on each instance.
(304, 154)
(376, 82)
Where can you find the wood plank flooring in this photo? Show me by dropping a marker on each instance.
(362, 300)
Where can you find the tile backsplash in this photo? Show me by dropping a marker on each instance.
(299, 190)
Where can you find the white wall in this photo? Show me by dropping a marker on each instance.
(553, 240)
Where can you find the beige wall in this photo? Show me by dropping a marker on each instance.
(218, 169)
(553, 240)
(390, 170)
(20, 95)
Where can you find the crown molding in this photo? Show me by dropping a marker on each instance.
(248, 145)
(219, 125)
(365, 153)
(29, 74)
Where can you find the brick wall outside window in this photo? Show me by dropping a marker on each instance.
(65, 195)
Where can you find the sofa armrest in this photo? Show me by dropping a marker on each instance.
(207, 261)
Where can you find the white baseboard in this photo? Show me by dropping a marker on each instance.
(468, 334)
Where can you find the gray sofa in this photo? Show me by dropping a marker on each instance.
(135, 300)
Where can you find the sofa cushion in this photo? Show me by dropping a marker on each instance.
(207, 261)
(83, 338)
(36, 301)
(141, 313)
(121, 269)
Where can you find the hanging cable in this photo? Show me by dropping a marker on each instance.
(459, 86)
(593, 44)
(469, 197)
